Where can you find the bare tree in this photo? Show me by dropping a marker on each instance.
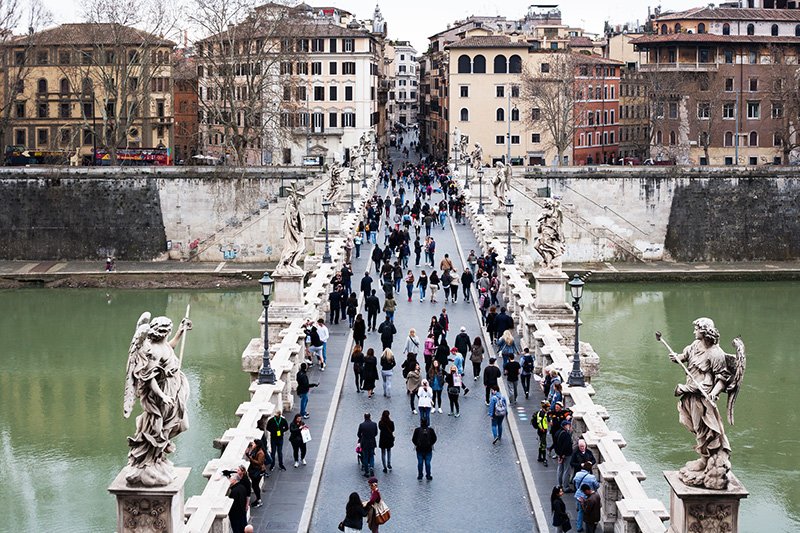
(248, 74)
(708, 112)
(119, 62)
(784, 91)
(664, 91)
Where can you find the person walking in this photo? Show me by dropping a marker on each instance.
(467, 278)
(434, 285)
(444, 322)
(442, 353)
(425, 401)
(359, 330)
(563, 449)
(490, 377)
(559, 510)
(446, 280)
(277, 426)
(412, 386)
(417, 246)
(389, 307)
(526, 366)
(372, 304)
(367, 435)
(422, 284)
(584, 478)
(257, 456)
(435, 330)
(424, 438)
(377, 257)
(357, 358)
(324, 335)
(591, 507)
(412, 344)
(386, 440)
(354, 514)
(410, 284)
(352, 308)
(387, 331)
(303, 387)
(476, 357)
(462, 342)
(374, 499)
(387, 371)
(541, 421)
(506, 346)
(436, 379)
(334, 299)
(472, 262)
(296, 440)
(454, 284)
(366, 284)
(498, 409)
(453, 380)
(511, 372)
(369, 374)
(429, 350)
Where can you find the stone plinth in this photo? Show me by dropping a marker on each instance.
(286, 304)
(149, 509)
(551, 290)
(700, 509)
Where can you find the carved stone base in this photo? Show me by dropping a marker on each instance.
(287, 303)
(149, 509)
(695, 509)
(551, 291)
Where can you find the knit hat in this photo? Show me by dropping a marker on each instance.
(372, 480)
(560, 403)
(545, 403)
(463, 328)
(566, 423)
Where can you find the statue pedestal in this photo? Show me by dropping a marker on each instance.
(149, 509)
(551, 289)
(286, 305)
(700, 509)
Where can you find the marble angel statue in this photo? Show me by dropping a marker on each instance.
(294, 240)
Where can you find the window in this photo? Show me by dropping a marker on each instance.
(42, 57)
(545, 68)
(536, 138)
(302, 67)
(726, 29)
(754, 110)
(479, 64)
(536, 114)
(704, 110)
(728, 160)
(729, 57)
(64, 110)
(464, 91)
(728, 111)
(500, 64)
(658, 137)
(348, 45)
(464, 64)
(752, 57)
(64, 136)
(19, 57)
(301, 93)
(19, 109)
(664, 29)
(672, 138)
(41, 110)
(464, 114)
(41, 86)
(590, 118)
(500, 139)
(515, 65)
(797, 31)
(500, 114)
(333, 119)
(287, 93)
(319, 94)
(133, 83)
(777, 110)
(774, 30)
(349, 67)
(42, 137)
(111, 109)
(286, 68)
(348, 93)
(20, 137)
(704, 55)
(302, 45)
(753, 85)
(701, 28)
(87, 56)
(317, 45)
(500, 91)
(318, 121)
(515, 139)
(751, 29)
(753, 138)
(515, 91)
(332, 93)
(332, 46)
(348, 119)
(316, 68)
(590, 139)
(673, 110)
(753, 161)
(515, 114)
(777, 139)
(729, 85)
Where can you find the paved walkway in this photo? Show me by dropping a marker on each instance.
(467, 468)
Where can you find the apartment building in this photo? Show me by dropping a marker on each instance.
(403, 105)
(77, 87)
(596, 107)
(187, 126)
(722, 84)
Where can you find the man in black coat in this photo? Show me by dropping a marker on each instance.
(424, 438)
(580, 455)
(372, 304)
(367, 439)
(303, 386)
(366, 284)
(490, 377)
(563, 449)
(503, 322)
(277, 427)
(335, 301)
(466, 283)
(462, 342)
(387, 331)
(377, 257)
(239, 493)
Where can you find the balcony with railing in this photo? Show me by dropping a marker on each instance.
(679, 66)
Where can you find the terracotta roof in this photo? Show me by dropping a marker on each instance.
(488, 41)
(326, 28)
(586, 59)
(677, 38)
(92, 34)
(732, 13)
(580, 41)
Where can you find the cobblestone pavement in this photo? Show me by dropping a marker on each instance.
(467, 468)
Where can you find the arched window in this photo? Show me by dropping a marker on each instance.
(774, 30)
(728, 138)
(701, 28)
(751, 29)
(678, 27)
(63, 86)
(86, 86)
(515, 64)
(658, 137)
(41, 86)
(663, 29)
(464, 114)
(797, 31)
(726, 29)
(753, 138)
(464, 64)
(500, 64)
(500, 114)
(479, 64)
(515, 114)
(672, 138)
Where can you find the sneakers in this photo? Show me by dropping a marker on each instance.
(429, 478)
(495, 440)
(303, 460)
(475, 378)
(258, 503)
(458, 414)
(466, 391)
(282, 467)
(413, 411)
(450, 413)
(296, 464)
(440, 409)
(419, 477)
(306, 415)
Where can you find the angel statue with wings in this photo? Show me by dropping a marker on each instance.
(154, 376)
(294, 240)
(335, 172)
(709, 372)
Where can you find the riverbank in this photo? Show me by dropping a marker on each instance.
(205, 275)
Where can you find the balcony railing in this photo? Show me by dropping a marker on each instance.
(679, 67)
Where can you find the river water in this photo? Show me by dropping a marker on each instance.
(62, 374)
(637, 380)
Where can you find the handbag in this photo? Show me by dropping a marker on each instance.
(382, 512)
(306, 434)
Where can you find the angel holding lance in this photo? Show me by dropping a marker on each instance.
(709, 372)
(154, 376)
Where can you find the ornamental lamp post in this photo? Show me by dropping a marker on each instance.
(266, 376)
(364, 173)
(374, 154)
(326, 206)
(480, 190)
(509, 260)
(576, 376)
(466, 175)
(352, 194)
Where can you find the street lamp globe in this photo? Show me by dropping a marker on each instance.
(509, 207)
(266, 286)
(576, 287)
(326, 206)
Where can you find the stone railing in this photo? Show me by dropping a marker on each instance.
(626, 506)
(208, 511)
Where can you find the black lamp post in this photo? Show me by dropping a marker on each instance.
(364, 173)
(576, 376)
(374, 154)
(509, 260)
(326, 206)
(480, 190)
(352, 194)
(266, 375)
(466, 175)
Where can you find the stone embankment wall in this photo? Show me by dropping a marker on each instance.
(655, 213)
(146, 213)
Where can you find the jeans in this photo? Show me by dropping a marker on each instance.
(255, 481)
(276, 450)
(358, 251)
(424, 457)
(579, 517)
(416, 259)
(405, 262)
(325, 352)
(410, 289)
(465, 289)
(563, 473)
(387, 382)
(372, 319)
(512, 390)
(421, 292)
(390, 316)
(425, 414)
(299, 451)
(386, 457)
(411, 397)
(526, 383)
(317, 351)
(497, 427)
(367, 459)
(454, 293)
(397, 285)
(476, 369)
(303, 404)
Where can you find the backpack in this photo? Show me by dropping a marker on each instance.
(425, 439)
(527, 364)
(500, 408)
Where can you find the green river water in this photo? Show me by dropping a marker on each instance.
(62, 361)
